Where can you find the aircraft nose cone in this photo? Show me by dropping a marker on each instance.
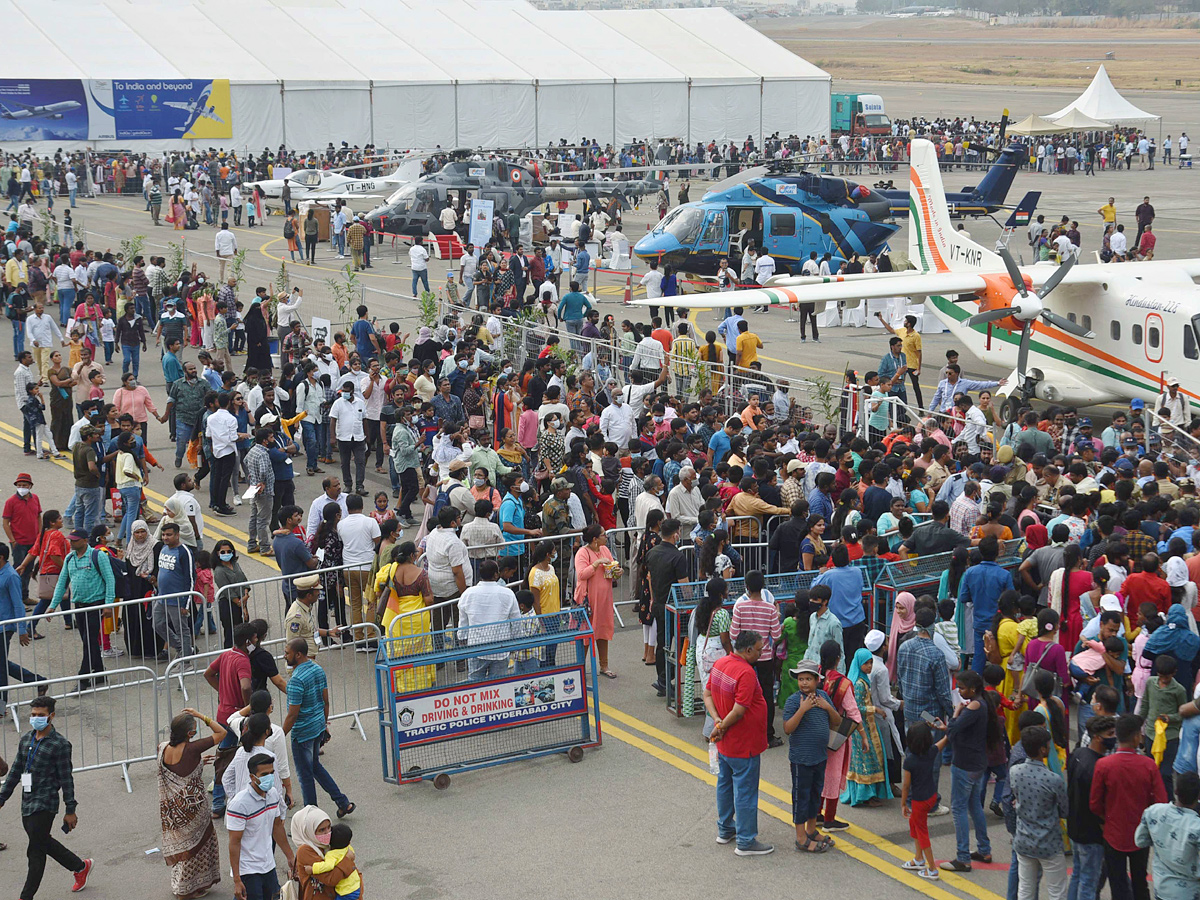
(654, 245)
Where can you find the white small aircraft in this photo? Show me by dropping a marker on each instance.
(1117, 331)
(334, 184)
(49, 111)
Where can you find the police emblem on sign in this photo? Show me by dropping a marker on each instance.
(569, 687)
(406, 717)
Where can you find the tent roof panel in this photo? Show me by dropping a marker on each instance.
(371, 47)
(659, 35)
(122, 53)
(248, 24)
(220, 54)
(727, 33)
(1103, 101)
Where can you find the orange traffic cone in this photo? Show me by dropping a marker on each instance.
(628, 289)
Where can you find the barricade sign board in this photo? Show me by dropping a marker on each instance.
(461, 699)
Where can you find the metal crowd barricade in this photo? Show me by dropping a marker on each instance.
(923, 574)
(684, 600)
(436, 720)
(103, 731)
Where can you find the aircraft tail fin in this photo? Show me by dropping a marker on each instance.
(992, 190)
(933, 243)
(6, 110)
(1023, 211)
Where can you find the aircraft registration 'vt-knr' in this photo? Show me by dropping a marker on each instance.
(49, 111)
(1115, 332)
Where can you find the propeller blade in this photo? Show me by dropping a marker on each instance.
(1023, 352)
(990, 315)
(1013, 272)
(1067, 325)
(1058, 275)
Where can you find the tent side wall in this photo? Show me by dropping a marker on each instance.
(413, 115)
(649, 110)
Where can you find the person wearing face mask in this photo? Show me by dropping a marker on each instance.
(42, 768)
(254, 820)
(346, 422)
(616, 423)
(186, 398)
(311, 834)
(1084, 827)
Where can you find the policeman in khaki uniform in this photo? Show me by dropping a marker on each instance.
(301, 618)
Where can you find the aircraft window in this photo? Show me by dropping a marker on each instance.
(1189, 342)
(308, 178)
(1087, 322)
(1137, 334)
(714, 230)
(1114, 330)
(1153, 336)
(686, 226)
(427, 200)
(1071, 316)
(783, 225)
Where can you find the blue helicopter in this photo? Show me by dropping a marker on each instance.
(792, 213)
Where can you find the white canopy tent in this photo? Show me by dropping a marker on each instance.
(1075, 120)
(409, 74)
(1034, 125)
(1103, 102)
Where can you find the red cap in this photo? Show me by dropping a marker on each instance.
(23, 476)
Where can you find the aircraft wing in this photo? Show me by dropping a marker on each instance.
(24, 105)
(176, 104)
(207, 113)
(838, 287)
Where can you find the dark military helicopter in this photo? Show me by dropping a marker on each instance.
(414, 208)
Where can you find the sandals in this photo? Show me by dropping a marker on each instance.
(815, 845)
(913, 865)
(608, 673)
(342, 813)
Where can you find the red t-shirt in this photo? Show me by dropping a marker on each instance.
(24, 516)
(663, 337)
(1143, 587)
(733, 680)
(231, 667)
(1124, 783)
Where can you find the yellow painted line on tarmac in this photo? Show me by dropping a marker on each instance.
(929, 889)
(612, 714)
(211, 523)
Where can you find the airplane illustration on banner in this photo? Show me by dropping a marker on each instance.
(49, 111)
(196, 109)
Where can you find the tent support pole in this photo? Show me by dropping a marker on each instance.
(614, 110)
(282, 114)
(536, 111)
(689, 112)
(762, 83)
(371, 104)
(455, 112)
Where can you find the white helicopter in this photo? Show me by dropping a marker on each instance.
(1116, 331)
(327, 185)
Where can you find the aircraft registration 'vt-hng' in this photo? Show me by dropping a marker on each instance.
(1115, 332)
(49, 111)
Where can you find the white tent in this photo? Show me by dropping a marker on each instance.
(1102, 101)
(1032, 124)
(426, 73)
(1074, 120)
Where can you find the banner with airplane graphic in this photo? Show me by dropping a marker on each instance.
(108, 110)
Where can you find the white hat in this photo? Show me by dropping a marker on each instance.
(874, 639)
(268, 419)
(1111, 603)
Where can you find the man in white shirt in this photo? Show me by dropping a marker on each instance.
(184, 485)
(346, 422)
(617, 423)
(225, 243)
(448, 218)
(683, 503)
(1171, 398)
(764, 268)
(254, 821)
(372, 385)
(976, 425)
(652, 282)
(40, 329)
(648, 355)
(64, 282)
(418, 259)
(235, 203)
(222, 430)
(468, 265)
(287, 312)
(72, 187)
(484, 613)
(1118, 243)
(449, 568)
(331, 492)
(360, 539)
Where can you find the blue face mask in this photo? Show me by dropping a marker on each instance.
(37, 723)
(266, 782)
(226, 557)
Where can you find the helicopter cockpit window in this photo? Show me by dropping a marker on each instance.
(783, 225)
(427, 200)
(714, 228)
(684, 226)
(402, 200)
(307, 178)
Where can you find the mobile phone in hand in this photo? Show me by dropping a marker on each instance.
(928, 718)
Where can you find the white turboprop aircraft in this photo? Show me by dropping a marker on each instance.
(1116, 331)
(334, 184)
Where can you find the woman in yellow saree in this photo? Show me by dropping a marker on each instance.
(404, 592)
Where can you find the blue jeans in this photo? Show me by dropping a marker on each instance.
(1087, 865)
(421, 276)
(131, 359)
(71, 193)
(966, 800)
(979, 659)
(261, 886)
(89, 503)
(307, 758)
(312, 444)
(183, 434)
(480, 669)
(526, 666)
(66, 303)
(218, 795)
(18, 337)
(131, 498)
(737, 798)
(1001, 773)
(10, 669)
(339, 242)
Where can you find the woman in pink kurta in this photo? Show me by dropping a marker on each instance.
(595, 572)
(134, 399)
(841, 697)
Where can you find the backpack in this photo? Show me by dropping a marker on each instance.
(288, 231)
(442, 500)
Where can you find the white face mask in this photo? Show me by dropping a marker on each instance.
(24, 491)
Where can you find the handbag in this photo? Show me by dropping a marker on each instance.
(838, 736)
(1027, 687)
(47, 582)
(476, 423)
(291, 890)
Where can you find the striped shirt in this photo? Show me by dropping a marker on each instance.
(761, 616)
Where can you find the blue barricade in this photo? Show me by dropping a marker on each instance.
(468, 698)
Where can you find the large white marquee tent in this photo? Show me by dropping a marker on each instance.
(447, 73)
